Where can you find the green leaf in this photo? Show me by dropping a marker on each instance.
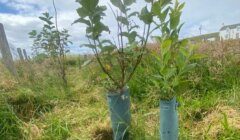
(133, 14)
(47, 20)
(170, 73)
(183, 42)
(165, 2)
(166, 43)
(82, 12)
(164, 14)
(89, 46)
(82, 20)
(131, 36)
(128, 2)
(100, 27)
(107, 48)
(89, 5)
(180, 61)
(181, 6)
(165, 46)
(146, 16)
(166, 57)
(123, 20)
(133, 27)
(197, 56)
(48, 27)
(180, 27)
(96, 19)
(119, 5)
(174, 18)
(188, 68)
(106, 42)
(175, 81)
(89, 30)
(33, 33)
(90, 8)
(46, 14)
(100, 10)
(149, 1)
(156, 8)
(184, 51)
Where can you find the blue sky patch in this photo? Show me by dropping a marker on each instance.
(6, 9)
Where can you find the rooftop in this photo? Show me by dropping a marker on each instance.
(205, 36)
(230, 26)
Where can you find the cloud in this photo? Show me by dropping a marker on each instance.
(17, 28)
(210, 14)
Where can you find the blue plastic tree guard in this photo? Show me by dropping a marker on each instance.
(119, 106)
(169, 120)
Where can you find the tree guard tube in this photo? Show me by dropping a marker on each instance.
(168, 119)
(119, 106)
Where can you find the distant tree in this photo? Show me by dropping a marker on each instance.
(52, 42)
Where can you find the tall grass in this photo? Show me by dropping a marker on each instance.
(209, 100)
(10, 124)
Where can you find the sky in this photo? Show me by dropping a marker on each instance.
(19, 17)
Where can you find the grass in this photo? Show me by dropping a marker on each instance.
(10, 125)
(38, 107)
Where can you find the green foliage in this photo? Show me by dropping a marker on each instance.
(118, 60)
(40, 58)
(214, 84)
(47, 39)
(202, 101)
(229, 132)
(52, 42)
(56, 130)
(173, 61)
(146, 16)
(10, 125)
(28, 105)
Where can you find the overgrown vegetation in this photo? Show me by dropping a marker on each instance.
(209, 102)
(53, 43)
(10, 124)
(38, 106)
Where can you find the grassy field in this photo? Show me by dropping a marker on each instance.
(37, 107)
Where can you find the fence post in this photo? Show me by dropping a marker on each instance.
(25, 55)
(6, 52)
(20, 54)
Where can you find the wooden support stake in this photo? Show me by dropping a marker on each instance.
(6, 52)
(25, 55)
(20, 54)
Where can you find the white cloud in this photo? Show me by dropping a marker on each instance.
(211, 14)
(208, 13)
(17, 28)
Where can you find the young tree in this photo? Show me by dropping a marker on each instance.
(171, 64)
(52, 42)
(118, 59)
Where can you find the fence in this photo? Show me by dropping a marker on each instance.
(5, 53)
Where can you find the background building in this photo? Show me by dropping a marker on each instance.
(230, 32)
